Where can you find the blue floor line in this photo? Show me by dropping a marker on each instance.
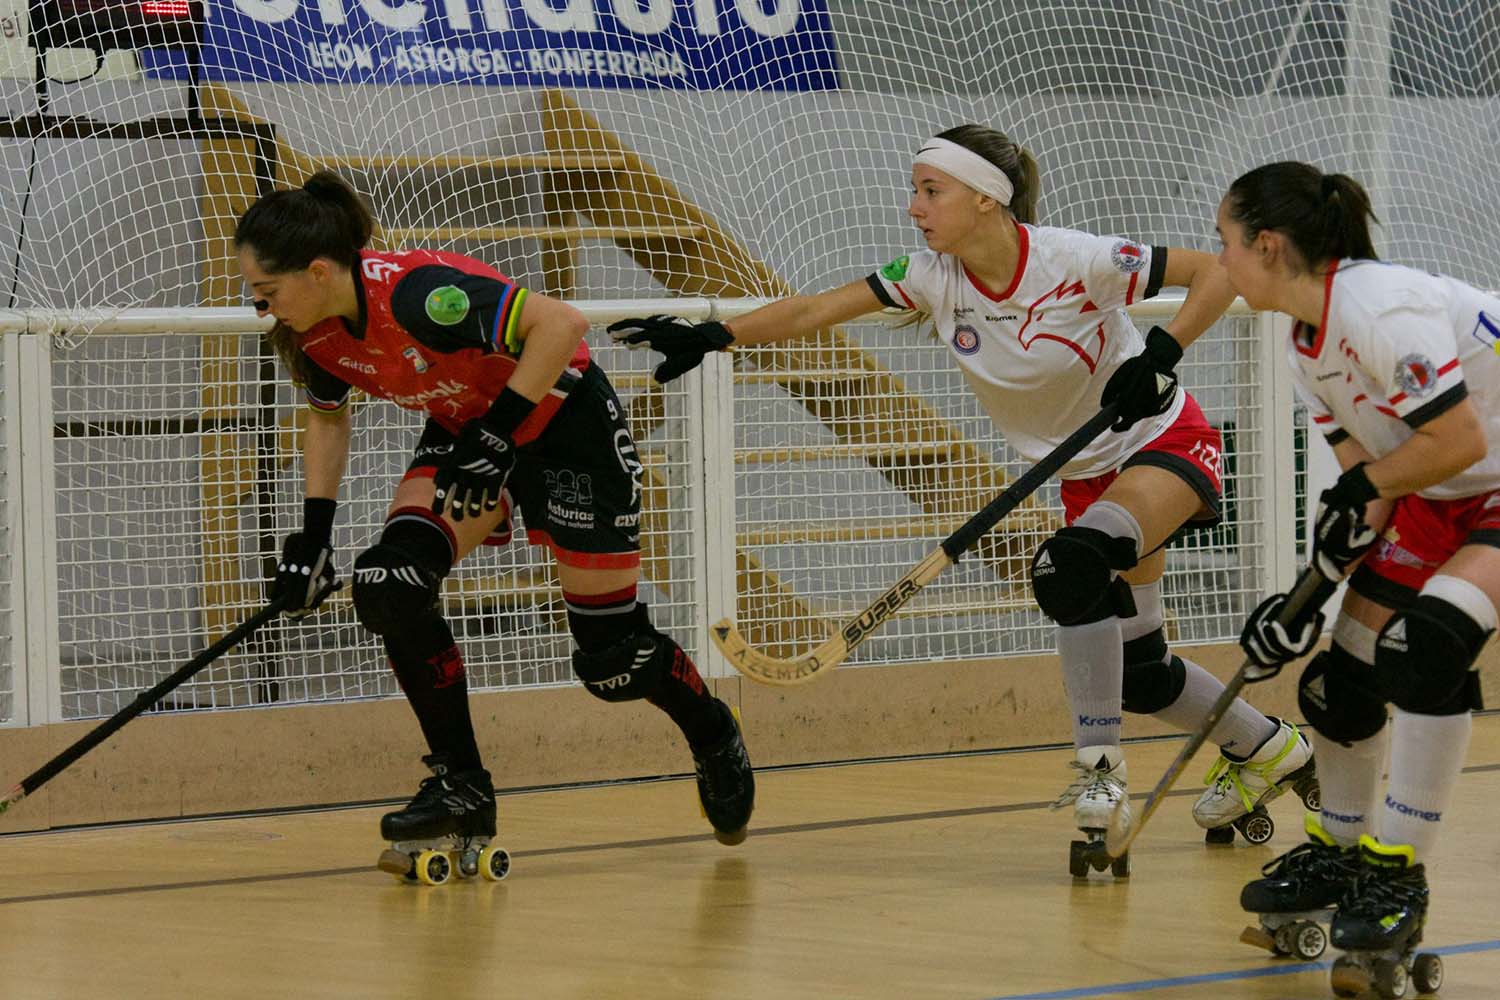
(1117, 989)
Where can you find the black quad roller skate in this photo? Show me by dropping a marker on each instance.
(1298, 893)
(1239, 791)
(726, 782)
(1098, 786)
(446, 828)
(1379, 925)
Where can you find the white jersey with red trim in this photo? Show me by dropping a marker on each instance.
(1396, 348)
(1038, 354)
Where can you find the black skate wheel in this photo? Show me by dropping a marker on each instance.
(1390, 978)
(1308, 940)
(1427, 973)
(1312, 796)
(1219, 835)
(494, 863)
(1349, 977)
(1078, 859)
(433, 867)
(1120, 867)
(1257, 827)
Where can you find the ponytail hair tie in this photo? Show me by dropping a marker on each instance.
(1328, 187)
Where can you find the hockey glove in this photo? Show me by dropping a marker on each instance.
(470, 481)
(306, 570)
(1145, 385)
(1271, 645)
(683, 343)
(1341, 536)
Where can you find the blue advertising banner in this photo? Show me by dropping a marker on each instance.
(677, 44)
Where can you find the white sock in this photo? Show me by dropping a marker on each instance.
(1093, 669)
(1239, 733)
(1349, 782)
(1427, 754)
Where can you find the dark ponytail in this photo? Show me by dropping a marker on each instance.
(1324, 216)
(287, 230)
(1018, 165)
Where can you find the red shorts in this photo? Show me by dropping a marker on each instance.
(1191, 449)
(1420, 536)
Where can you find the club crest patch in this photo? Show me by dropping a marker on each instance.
(965, 339)
(1127, 256)
(447, 305)
(896, 269)
(1416, 375)
(415, 357)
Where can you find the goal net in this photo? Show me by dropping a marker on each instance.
(655, 150)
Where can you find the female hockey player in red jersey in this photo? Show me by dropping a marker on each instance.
(1398, 369)
(514, 407)
(1035, 317)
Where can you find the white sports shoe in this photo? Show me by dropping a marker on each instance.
(1236, 788)
(1099, 784)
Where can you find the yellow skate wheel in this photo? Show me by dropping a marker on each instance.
(494, 863)
(433, 867)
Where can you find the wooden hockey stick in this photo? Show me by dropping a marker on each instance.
(799, 670)
(142, 701)
(1312, 589)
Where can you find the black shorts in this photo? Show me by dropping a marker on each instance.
(578, 485)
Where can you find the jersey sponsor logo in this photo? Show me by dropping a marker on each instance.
(965, 339)
(1487, 331)
(1416, 375)
(442, 390)
(415, 357)
(447, 305)
(359, 366)
(1328, 375)
(1006, 318)
(1127, 256)
(896, 269)
(629, 461)
(379, 270)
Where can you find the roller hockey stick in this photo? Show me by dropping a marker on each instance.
(142, 701)
(1312, 588)
(801, 669)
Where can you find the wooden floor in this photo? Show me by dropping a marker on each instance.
(919, 878)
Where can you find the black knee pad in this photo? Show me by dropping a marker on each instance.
(1072, 576)
(1153, 677)
(391, 588)
(1423, 658)
(1335, 697)
(399, 578)
(628, 670)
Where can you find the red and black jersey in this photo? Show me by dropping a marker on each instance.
(437, 332)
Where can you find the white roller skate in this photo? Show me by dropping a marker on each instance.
(447, 827)
(1098, 787)
(1238, 791)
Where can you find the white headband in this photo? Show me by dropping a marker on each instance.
(968, 166)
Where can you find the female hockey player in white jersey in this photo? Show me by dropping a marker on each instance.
(1035, 318)
(1398, 369)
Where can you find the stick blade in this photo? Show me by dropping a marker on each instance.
(1119, 834)
(769, 669)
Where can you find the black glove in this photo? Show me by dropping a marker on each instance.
(1145, 385)
(306, 570)
(1270, 644)
(1341, 535)
(682, 342)
(469, 481)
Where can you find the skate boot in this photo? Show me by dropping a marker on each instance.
(1379, 925)
(726, 783)
(1238, 790)
(1298, 893)
(1098, 786)
(446, 827)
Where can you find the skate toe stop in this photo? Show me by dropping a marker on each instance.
(732, 838)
